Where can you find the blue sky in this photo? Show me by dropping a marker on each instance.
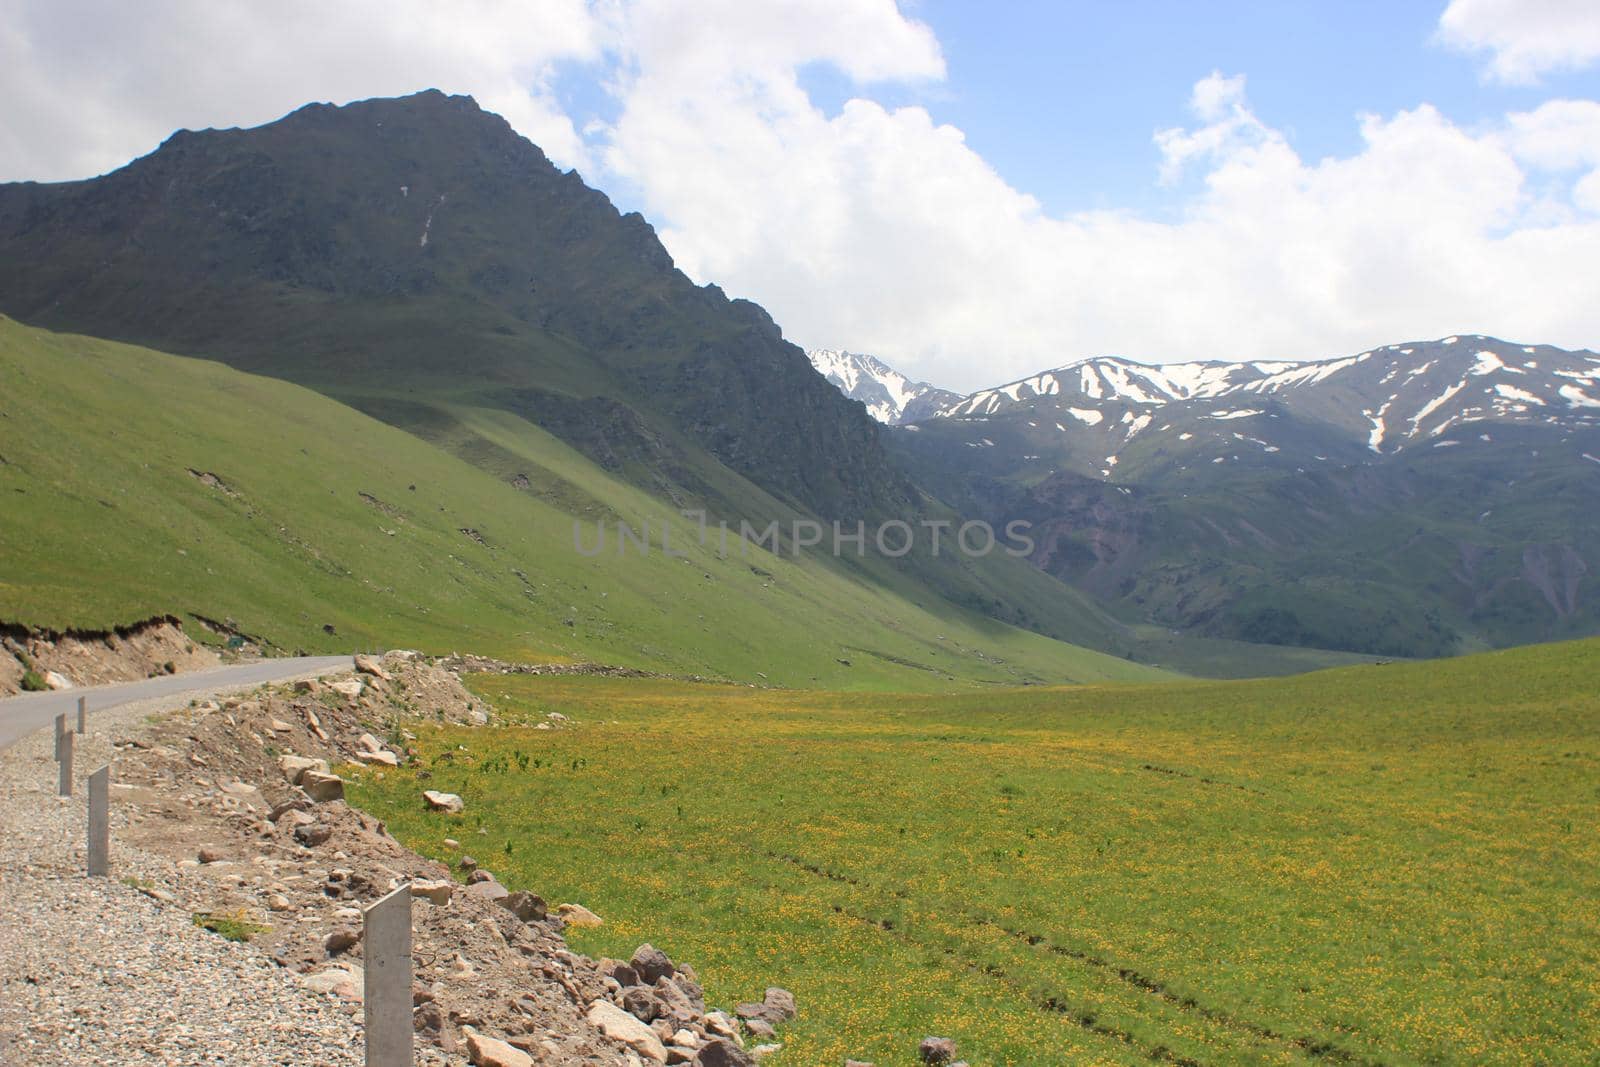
(972, 192)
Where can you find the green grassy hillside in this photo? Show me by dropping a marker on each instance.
(1378, 864)
(136, 483)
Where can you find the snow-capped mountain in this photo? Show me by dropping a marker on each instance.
(1101, 412)
(890, 396)
(1410, 500)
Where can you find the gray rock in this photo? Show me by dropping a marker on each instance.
(313, 834)
(640, 1003)
(624, 973)
(781, 1003)
(722, 1053)
(652, 964)
(936, 1050)
(488, 889)
(529, 907)
(341, 939)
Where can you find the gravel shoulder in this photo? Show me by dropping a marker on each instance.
(93, 971)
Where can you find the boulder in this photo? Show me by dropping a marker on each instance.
(781, 1003)
(379, 756)
(936, 1050)
(368, 665)
(651, 964)
(760, 1028)
(578, 915)
(278, 726)
(56, 681)
(341, 939)
(618, 1025)
(642, 1004)
(438, 801)
(294, 767)
(486, 1051)
(350, 688)
(313, 834)
(488, 890)
(209, 854)
(321, 786)
(369, 743)
(345, 981)
(622, 973)
(676, 1005)
(433, 890)
(529, 907)
(720, 1052)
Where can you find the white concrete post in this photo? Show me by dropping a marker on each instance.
(61, 731)
(64, 779)
(386, 955)
(100, 822)
(83, 715)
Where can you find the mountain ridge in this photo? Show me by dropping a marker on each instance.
(890, 396)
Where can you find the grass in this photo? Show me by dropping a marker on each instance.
(135, 484)
(1377, 864)
(231, 926)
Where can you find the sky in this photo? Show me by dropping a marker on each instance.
(971, 192)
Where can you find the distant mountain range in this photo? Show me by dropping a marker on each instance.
(1413, 499)
(890, 396)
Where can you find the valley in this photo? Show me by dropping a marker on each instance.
(1380, 864)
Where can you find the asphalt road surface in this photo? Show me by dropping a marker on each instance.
(21, 715)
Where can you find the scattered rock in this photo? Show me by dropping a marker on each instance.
(640, 1003)
(781, 1003)
(209, 854)
(438, 801)
(936, 1050)
(488, 889)
(620, 1026)
(278, 726)
(651, 964)
(341, 939)
(368, 665)
(529, 907)
(350, 688)
(344, 981)
(433, 890)
(578, 915)
(313, 834)
(294, 767)
(321, 786)
(380, 756)
(491, 1052)
(721, 1052)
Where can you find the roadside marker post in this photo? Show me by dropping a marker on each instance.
(100, 822)
(83, 715)
(61, 731)
(64, 779)
(386, 982)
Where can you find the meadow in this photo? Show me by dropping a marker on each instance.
(1376, 864)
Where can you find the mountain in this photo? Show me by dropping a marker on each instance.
(1421, 498)
(421, 264)
(138, 484)
(400, 254)
(890, 397)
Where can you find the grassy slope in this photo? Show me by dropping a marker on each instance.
(102, 524)
(1389, 864)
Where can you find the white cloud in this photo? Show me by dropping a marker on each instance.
(876, 228)
(881, 230)
(90, 85)
(1525, 38)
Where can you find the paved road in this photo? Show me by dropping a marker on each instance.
(21, 715)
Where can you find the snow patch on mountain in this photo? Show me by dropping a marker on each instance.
(888, 394)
